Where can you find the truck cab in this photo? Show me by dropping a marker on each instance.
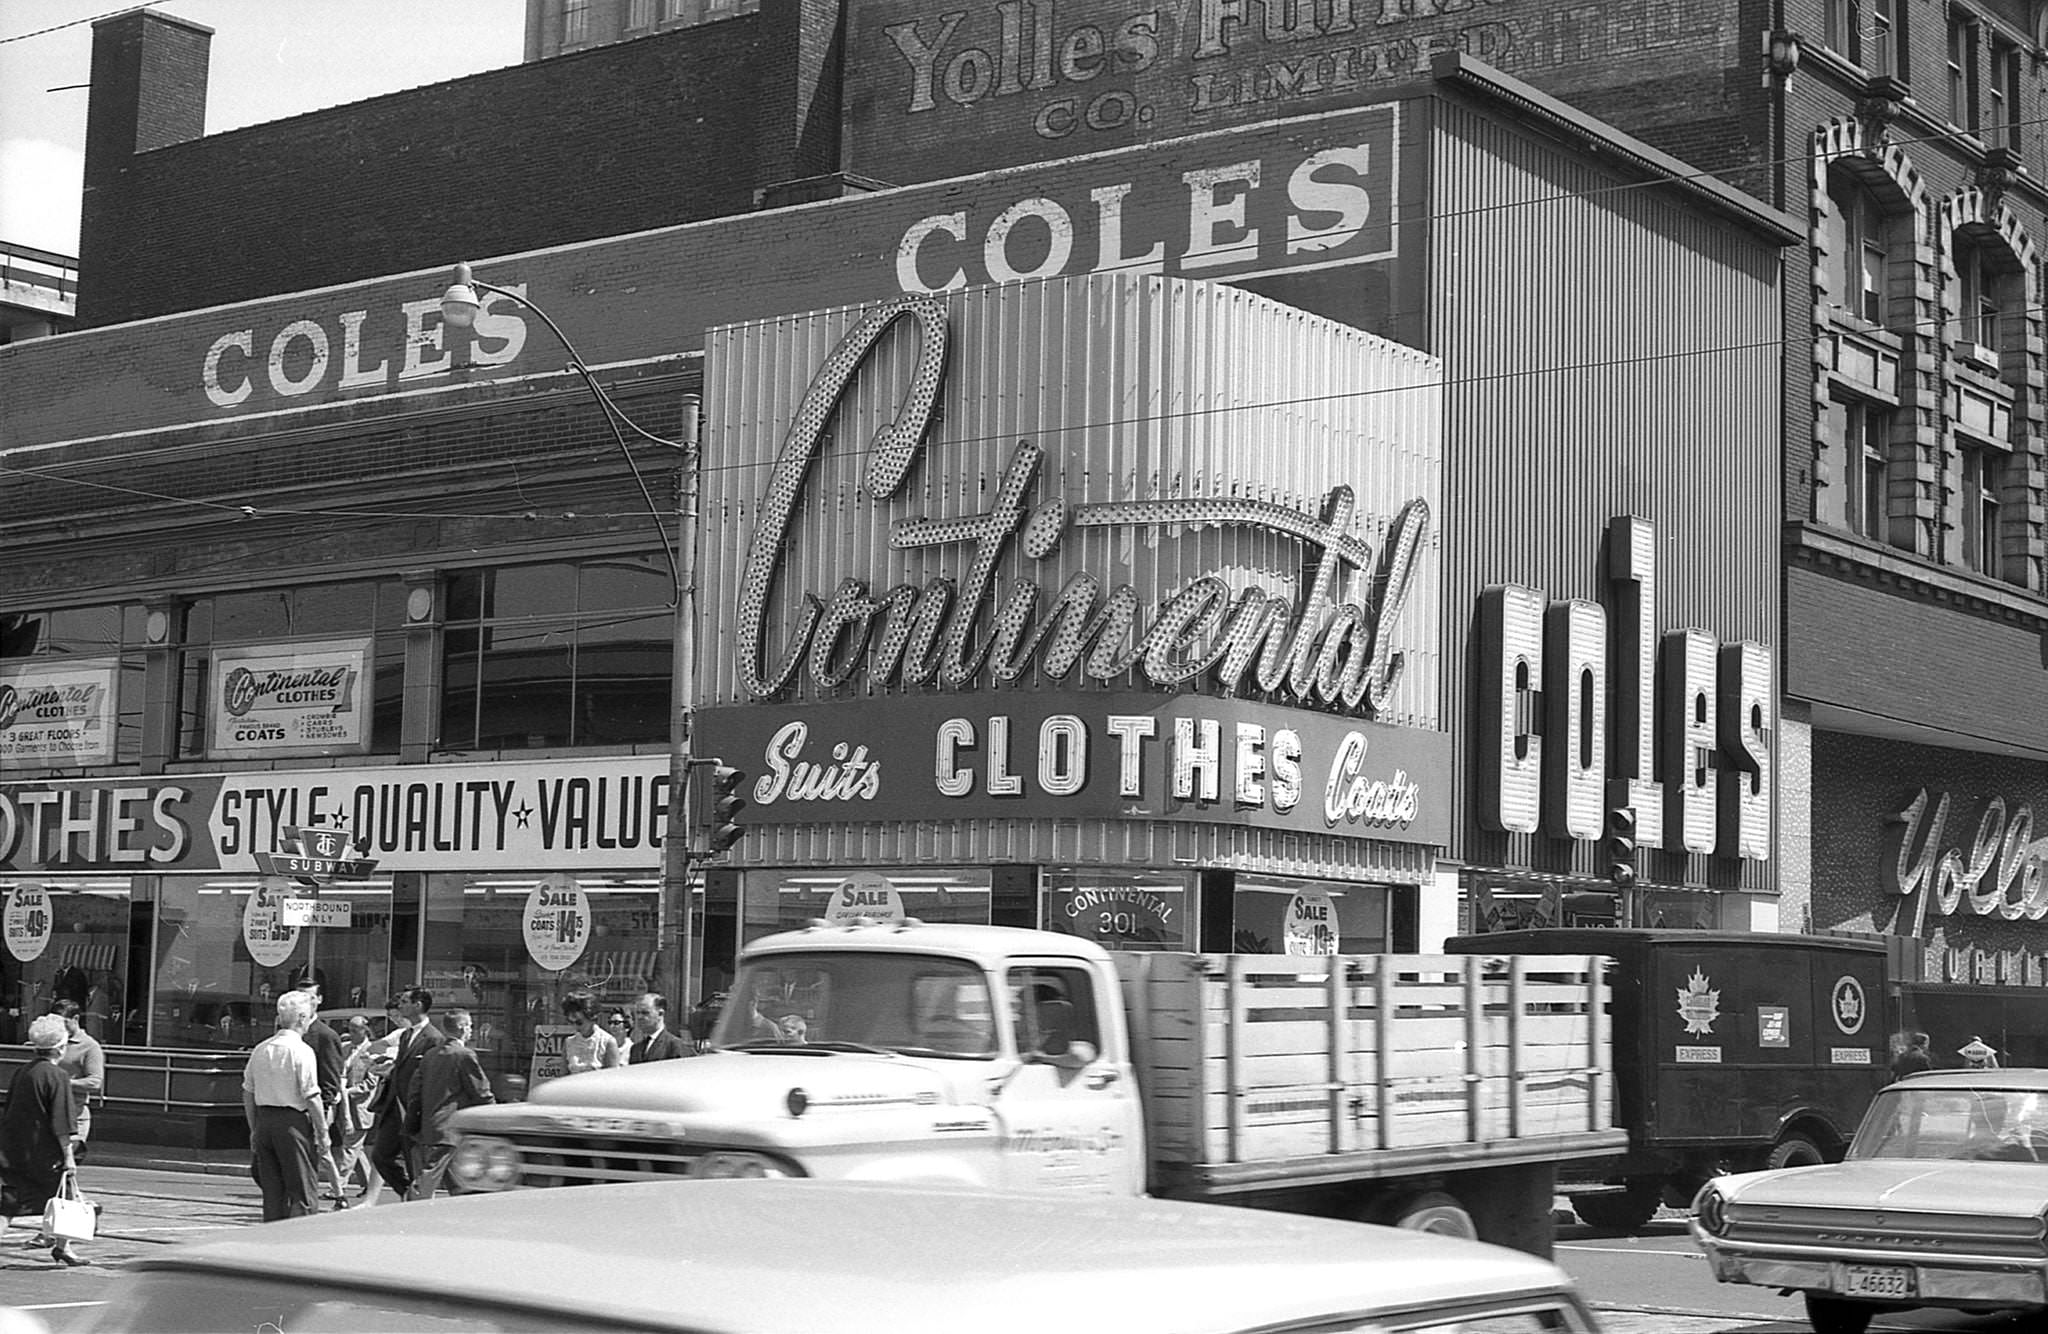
(977, 1055)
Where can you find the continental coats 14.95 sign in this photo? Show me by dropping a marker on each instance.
(1107, 547)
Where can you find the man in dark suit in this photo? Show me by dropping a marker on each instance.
(446, 1079)
(651, 1039)
(391, 1150)
(327, 1059)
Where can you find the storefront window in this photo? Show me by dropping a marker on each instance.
(1121, 910)
(276, 617)
(1279, 915)
(785, 900)
(77, 649)
(565, 654)
(74, 934)
(477, 958)
(217, 983)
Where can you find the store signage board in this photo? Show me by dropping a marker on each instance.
(600, 812)
(57, 714)
(1072, 755)
(1316, 191)
(296, 699)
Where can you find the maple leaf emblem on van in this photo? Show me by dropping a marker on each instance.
(1699, 1004)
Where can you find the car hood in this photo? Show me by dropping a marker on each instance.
(746, 1086)
(1931, 1186)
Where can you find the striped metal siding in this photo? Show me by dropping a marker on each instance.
(1137, 387)
(1606, 351)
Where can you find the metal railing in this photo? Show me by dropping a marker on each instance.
(155, 1079)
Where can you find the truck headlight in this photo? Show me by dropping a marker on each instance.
(737, 1165)
(483, 1163)
(1710, 1206)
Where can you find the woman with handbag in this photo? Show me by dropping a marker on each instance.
(36, 1127)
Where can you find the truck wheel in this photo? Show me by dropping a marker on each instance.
(1833, 1315)
(1434, 1211)
(1621, 1211)
(1794, 1151)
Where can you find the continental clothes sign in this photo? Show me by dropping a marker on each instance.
(57, 714)
(599, 813)
(1101, 756)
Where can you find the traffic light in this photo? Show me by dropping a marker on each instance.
(726, 805)
(1621, 846)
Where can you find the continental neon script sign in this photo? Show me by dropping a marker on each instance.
(1109, 610)
(1331, 650)
(1549, 708)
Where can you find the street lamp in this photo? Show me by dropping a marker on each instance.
(459, 307)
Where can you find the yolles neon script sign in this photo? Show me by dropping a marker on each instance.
(1333, 649)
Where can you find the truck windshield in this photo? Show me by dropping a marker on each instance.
(2010, 1125)
(916, 1004)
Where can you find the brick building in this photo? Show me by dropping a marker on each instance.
(283, 548)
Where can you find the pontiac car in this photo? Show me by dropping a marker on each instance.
(795, 1257)
(1942, 1201)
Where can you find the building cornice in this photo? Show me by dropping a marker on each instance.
(1837, 554)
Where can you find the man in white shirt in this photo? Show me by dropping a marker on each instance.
(281, 1099)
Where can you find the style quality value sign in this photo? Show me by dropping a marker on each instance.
(1085, 755)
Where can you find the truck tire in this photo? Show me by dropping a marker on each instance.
(1624, 1210)
(1794, 1151)
(1434, 1211)
(1834, 1315)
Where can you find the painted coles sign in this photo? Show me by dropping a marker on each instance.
(57, 714)
(556, 922)
(26, 921)
(1264, 588)
(303, 699)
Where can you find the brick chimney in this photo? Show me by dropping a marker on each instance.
(148, 91)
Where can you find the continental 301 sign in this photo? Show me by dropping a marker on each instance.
(1115, 546)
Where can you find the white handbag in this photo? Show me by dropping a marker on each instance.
(69, 1216)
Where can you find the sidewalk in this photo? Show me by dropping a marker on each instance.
(163, 1158)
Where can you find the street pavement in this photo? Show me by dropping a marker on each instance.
(1652, 1282)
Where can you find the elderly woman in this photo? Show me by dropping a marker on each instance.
(36, 1130)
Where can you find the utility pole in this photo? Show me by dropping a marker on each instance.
(672, 925)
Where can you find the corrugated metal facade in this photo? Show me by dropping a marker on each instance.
(1137, 388)
(1607, 351)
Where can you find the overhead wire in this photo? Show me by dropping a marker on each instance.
(615, 416)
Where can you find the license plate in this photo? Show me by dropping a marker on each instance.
(1878, 1281)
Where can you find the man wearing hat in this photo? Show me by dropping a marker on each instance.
(35, 1132)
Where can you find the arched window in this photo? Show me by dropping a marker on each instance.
(1857, 234)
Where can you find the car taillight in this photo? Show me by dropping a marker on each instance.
(1711, 1208)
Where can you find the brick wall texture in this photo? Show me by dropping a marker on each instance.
(671, 128)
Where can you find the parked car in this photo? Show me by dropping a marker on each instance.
(1939, 1202)
(773, 1256)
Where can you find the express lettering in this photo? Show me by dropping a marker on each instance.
(304, 355)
